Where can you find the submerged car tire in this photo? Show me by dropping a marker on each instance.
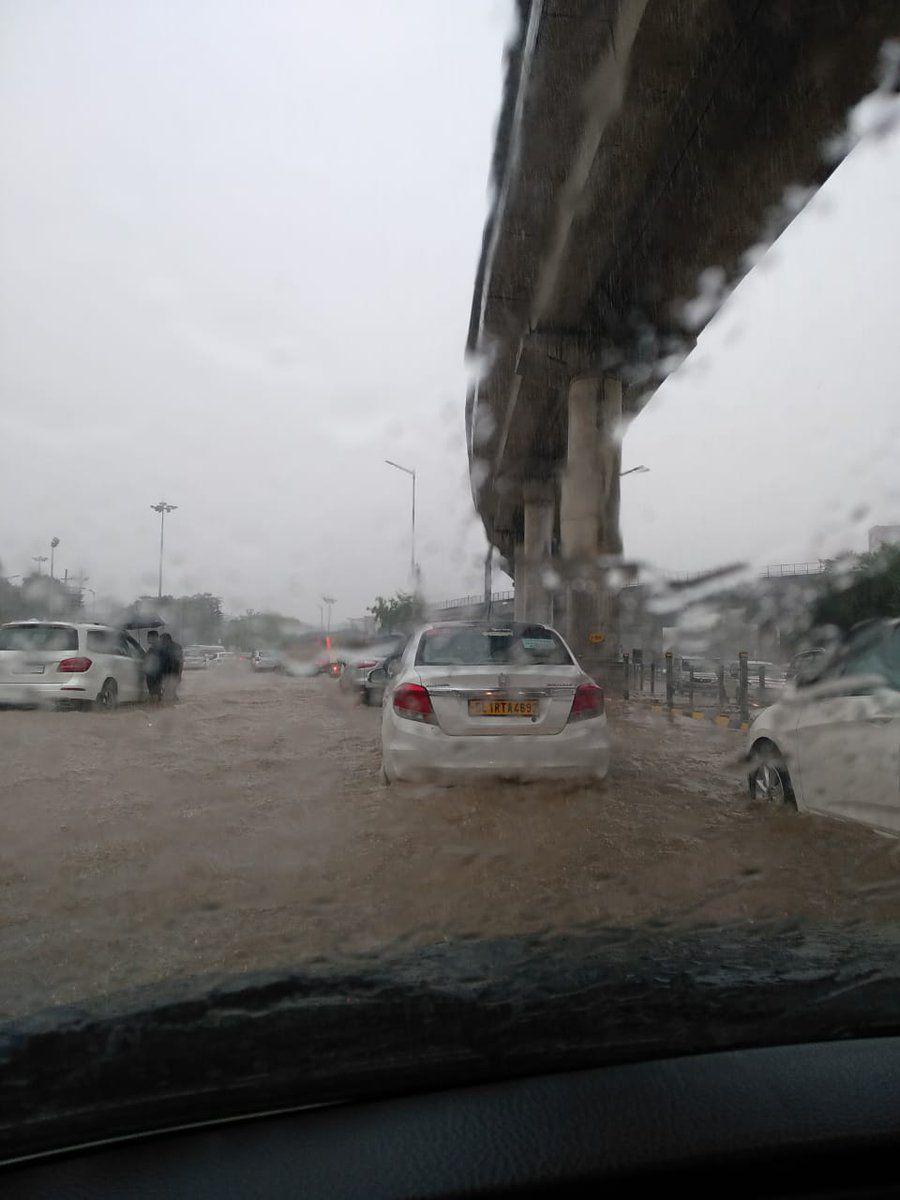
(769, 779)
(108, 697)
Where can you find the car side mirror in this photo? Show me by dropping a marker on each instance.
(377, 675)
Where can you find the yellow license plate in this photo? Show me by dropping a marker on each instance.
(503, 708)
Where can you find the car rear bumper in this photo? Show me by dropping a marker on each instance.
(20, 692)
(425, 753)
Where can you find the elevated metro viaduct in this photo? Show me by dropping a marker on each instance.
(640, 143)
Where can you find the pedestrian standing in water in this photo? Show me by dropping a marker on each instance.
(153, 667)
(172, 666)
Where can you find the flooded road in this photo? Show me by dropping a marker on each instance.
(247, 829)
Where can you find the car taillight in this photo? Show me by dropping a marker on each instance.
(412, 701)
(74, 666)
(587, 702)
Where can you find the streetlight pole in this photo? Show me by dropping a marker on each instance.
(162, 508)
(410, 471)
(54, 542)
(329, 600)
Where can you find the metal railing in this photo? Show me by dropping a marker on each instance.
(786, 570)
(472, 600)
(774, 571)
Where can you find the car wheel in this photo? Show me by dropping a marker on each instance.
(108, 697)
(769, 779)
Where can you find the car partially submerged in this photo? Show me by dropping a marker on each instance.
(477, 700)
(267, 660)
(358, 666)
(831, 742)
(69, 664)
(195, 659)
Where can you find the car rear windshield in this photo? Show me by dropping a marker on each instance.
(473, 647)
(38, 637)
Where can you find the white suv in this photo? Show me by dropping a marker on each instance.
(55, 662)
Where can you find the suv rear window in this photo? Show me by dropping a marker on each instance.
(473, 647)
(104, 641)
(38, 637)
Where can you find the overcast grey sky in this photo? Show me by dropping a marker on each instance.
(238, 248)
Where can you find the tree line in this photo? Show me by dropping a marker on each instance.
(197, 619)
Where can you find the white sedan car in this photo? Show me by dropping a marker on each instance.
(831, 744)
(467, 699)
(57, 662)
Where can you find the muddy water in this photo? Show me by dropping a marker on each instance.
(247, 828)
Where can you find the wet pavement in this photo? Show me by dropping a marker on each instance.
(247, 829)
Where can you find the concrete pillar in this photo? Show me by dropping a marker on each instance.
(540, 511)
(519, 581)
(589, 514)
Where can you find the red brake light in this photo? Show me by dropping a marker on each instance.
(587, 702)
(412, 701)
(74, 666)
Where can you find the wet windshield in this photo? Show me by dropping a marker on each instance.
(471, 431)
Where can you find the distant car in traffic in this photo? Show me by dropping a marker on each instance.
(831, 742)
(327, 663)
(705, 673)
(478, 700)
(359, 665)
(194, 659)
(220, 658)
(68, 664)
(266, 660)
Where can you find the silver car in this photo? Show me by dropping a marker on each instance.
(266, 660)
(68, 664)
(358, 667)
(469, 699)
(831, 743)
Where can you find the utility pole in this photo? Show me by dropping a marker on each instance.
(162, 508)
(410, 471)
(54, 542)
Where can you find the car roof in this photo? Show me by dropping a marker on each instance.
(487, 626)
(59, 624)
